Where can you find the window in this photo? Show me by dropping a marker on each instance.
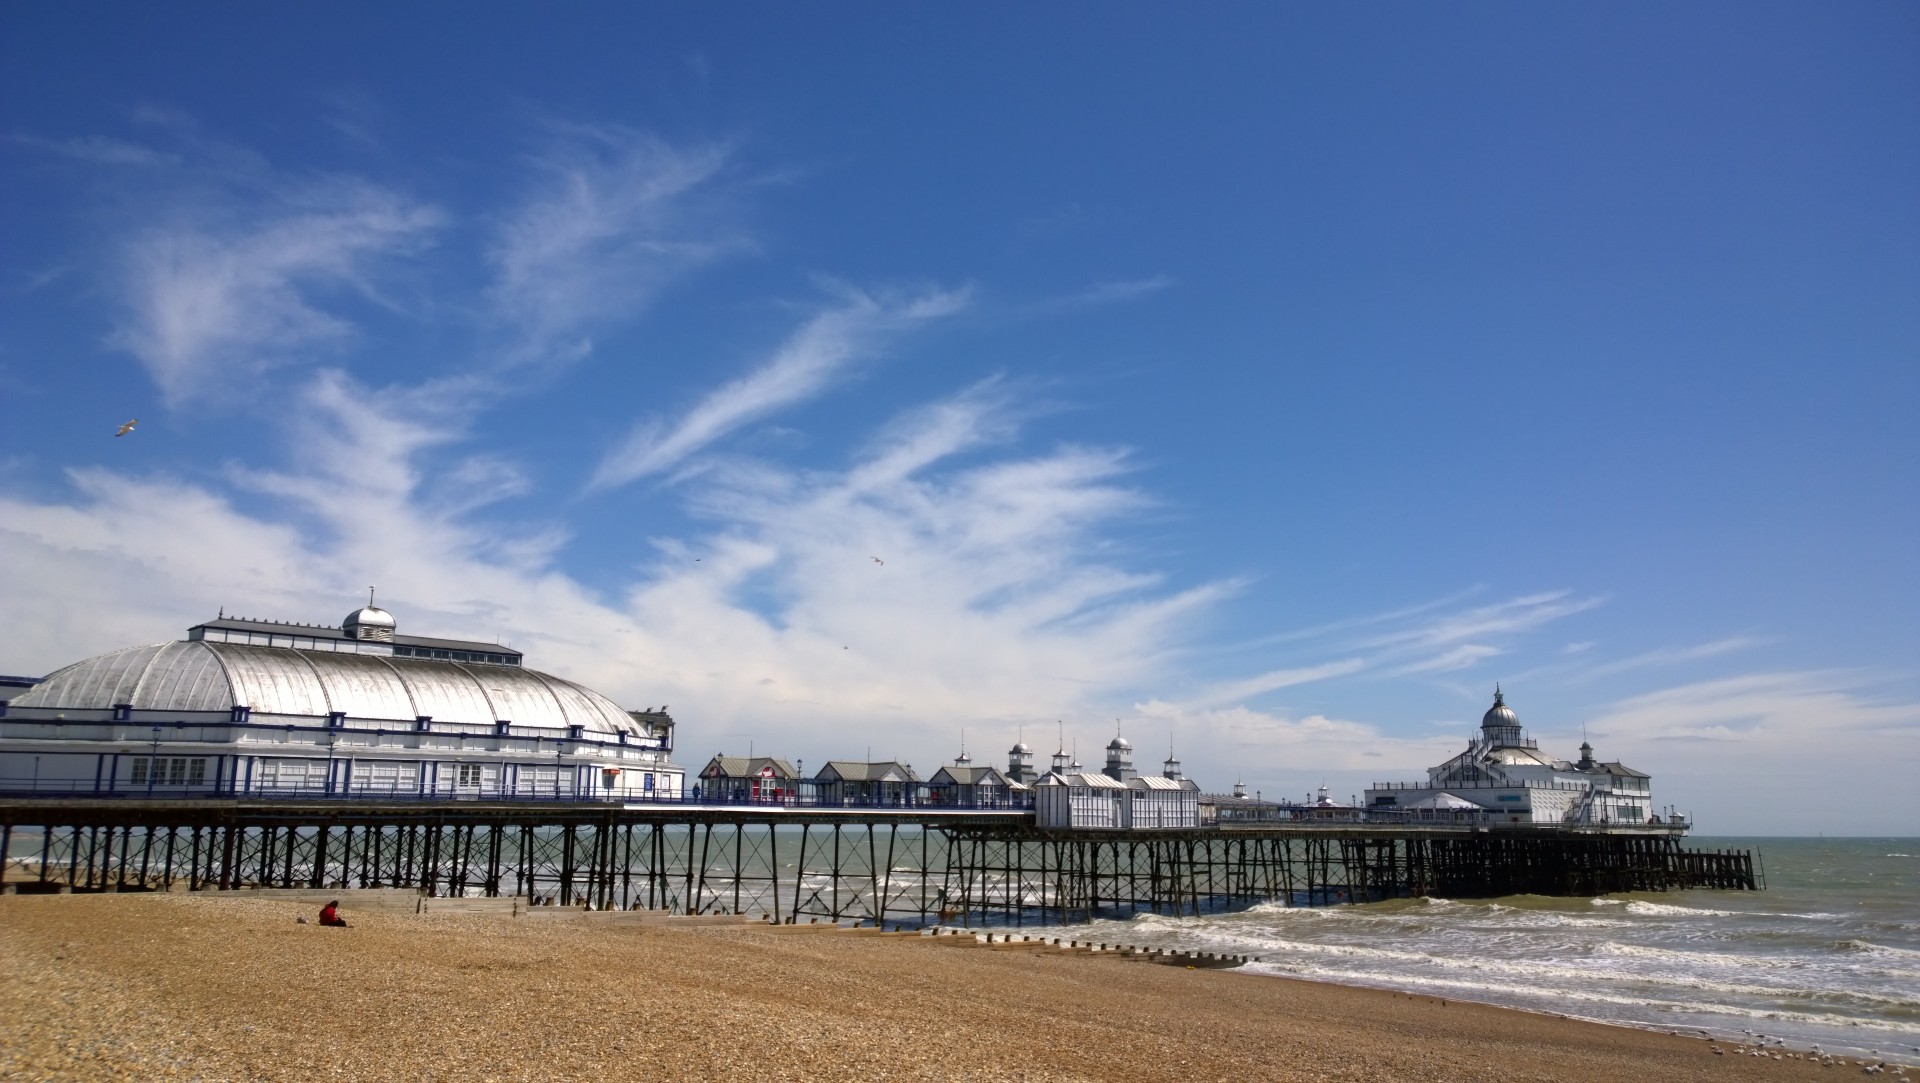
(469, 774)
(169, 771)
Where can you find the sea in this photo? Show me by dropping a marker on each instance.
(1827, 955)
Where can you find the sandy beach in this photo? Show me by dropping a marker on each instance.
(234, 988)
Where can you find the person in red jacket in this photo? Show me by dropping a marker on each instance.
(330, 915)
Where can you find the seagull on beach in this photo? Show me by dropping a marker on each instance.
(128, 427)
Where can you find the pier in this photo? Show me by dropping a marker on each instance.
(794, 865)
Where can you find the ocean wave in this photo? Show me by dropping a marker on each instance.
(1866, 948)
(1499, 993)
(1669, 910)
(1654, 909)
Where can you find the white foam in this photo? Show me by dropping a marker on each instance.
(1666, 910)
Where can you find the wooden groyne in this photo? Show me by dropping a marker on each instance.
(820, 864)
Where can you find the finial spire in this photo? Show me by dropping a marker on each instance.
(369, 597)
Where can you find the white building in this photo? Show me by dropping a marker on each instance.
(1504, 777)
(263, 708)
(1117, 799)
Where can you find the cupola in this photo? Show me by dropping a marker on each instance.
(369, 622)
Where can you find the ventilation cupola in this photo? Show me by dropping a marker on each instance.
(369, 622)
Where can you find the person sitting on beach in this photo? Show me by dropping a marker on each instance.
(330, 915)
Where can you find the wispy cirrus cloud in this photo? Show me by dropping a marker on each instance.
(1465, 656)
(1670, 656)
(1100, 294)
(209, 296)
(824, 347)
(1239, 691)
(1513, 616)
(614, 215)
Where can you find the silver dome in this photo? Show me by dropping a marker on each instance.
(369, 615)
(206, 675)
(1020, 749)
(1499, 714)
(1119, 743)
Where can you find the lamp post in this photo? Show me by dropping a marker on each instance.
(153, 761)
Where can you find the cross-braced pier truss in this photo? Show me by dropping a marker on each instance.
(820, 864)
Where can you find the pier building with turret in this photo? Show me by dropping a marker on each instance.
(1504, 776)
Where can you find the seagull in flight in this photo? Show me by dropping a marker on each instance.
(877, 560)
(128, 427)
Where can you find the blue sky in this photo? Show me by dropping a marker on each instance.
(1271, 378)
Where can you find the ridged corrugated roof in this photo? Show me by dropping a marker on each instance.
(202, 675)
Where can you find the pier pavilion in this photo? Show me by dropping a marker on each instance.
(245, 707)
(1504, 776)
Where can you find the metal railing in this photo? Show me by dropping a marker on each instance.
(544, 795)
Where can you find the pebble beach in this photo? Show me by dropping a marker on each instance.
(205, 987)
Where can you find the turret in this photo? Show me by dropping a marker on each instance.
(1119, 760)
(1020, 763)
(1586, 757)
(1500, 726)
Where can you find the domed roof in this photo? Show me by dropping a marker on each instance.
(1499, 714)
(208, 675)
(1020, 749)
(369, 616)
(1118, 743)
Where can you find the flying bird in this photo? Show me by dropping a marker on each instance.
(128, 427)
(877, 560)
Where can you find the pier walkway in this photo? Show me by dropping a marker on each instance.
(793, 864)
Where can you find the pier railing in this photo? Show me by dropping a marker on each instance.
(547, 795)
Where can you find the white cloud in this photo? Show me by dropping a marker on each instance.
(1670, 656)
(1464, 656)
(1786, 753)
(989, 609)
(1514, 616)
(615, 216)
(1273, 680)
(208, 300)
(800, 369)
(1101, 294)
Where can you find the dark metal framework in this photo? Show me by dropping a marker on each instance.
(817, 864)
